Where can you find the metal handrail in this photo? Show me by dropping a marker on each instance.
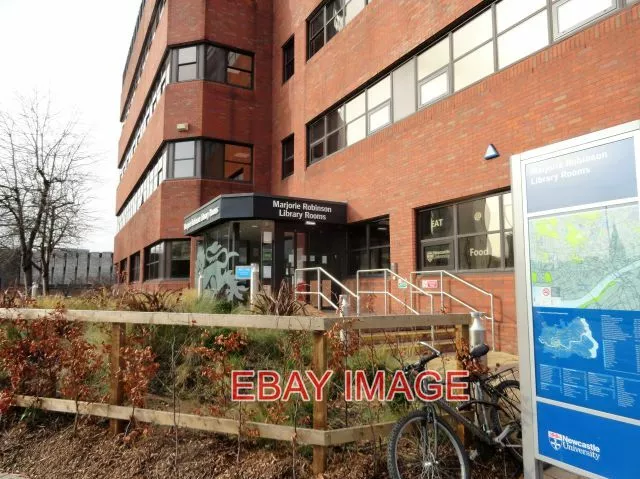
(443, 293)
(319, 272)
(387, 293)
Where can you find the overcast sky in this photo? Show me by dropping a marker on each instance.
(74, 49)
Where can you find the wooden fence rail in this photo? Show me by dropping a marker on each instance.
(318, 437)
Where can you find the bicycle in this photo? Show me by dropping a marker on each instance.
(424, 445)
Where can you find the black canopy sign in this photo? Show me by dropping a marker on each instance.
(256, 206)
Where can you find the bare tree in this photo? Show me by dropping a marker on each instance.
(43, 167)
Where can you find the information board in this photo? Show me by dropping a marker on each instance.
(578, 273)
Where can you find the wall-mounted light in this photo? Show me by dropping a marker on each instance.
(492, 152)
(182, 127)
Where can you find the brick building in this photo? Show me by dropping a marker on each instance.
(351, 135)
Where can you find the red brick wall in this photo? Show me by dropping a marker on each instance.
(586, 83)
(137, 47)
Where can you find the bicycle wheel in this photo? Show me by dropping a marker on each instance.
(423, 446)
(508, 414)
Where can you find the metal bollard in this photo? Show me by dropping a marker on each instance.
(254, 284)
(477, 334)
(343, 304)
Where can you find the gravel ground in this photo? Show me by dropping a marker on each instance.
(55, 451)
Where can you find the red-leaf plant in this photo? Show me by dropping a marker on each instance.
(216, 366)
(138, 368)
(45, 356)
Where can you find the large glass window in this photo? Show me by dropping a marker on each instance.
(187, 63)
(330, 18)
(227, 66)
(184, 159)
(152, 261)
(179, 258)
(226, 161)
(571, 14)
(524, 39)
(239, 69)
(288, 59)
(506, 32)
(471, 235)
(135, 268)
(404, 92)
(287, 156)
(369, 245)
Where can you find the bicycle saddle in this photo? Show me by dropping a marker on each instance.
(479, 351)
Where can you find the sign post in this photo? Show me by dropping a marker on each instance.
(577, 245)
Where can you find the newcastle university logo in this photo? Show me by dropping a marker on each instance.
(560, 441)
(555, 440)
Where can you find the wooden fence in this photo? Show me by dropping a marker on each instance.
(318, 436)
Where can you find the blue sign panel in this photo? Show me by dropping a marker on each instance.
(601, 173)
(589, 358)
(243, 272)
(595, 444)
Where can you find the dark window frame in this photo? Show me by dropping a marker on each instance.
(156, 265)
(227, 52)
(134, 271)
(199, 167)
(195, 63)
(323, 11)
(169, 260)
(454, 238)
(286, 158)
(288, 59)
(368, 248)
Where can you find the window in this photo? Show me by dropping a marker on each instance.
(179, 263)
(134, 274)
(523, 40)
(369, 245)
(471, 235)
(506, 32)
(287, 156)
(329, 20)
(288, 60)
(404, 92)
(379, 104)
(122, 272)
(571, 14)
(239, 69)
(226, 66)
(225, 161)
(184, 159)
(187, 63)
(473, 51)
(152, 261)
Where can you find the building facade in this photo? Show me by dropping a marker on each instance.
(354, 135)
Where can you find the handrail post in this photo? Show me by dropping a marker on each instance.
(116, 390)
(320, 364)
(386, 293)
(493, 329)
(319, 291)
(441, 292)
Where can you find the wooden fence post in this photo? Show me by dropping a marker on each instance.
(320, 363)
(116, 392)
(462, 338)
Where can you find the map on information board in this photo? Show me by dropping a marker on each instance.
(587, 260)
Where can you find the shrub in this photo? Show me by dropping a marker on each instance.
(151, 301)
(281, 303)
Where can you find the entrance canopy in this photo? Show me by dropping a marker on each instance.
(260, 206)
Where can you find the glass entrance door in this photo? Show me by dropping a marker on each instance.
(294, 245)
